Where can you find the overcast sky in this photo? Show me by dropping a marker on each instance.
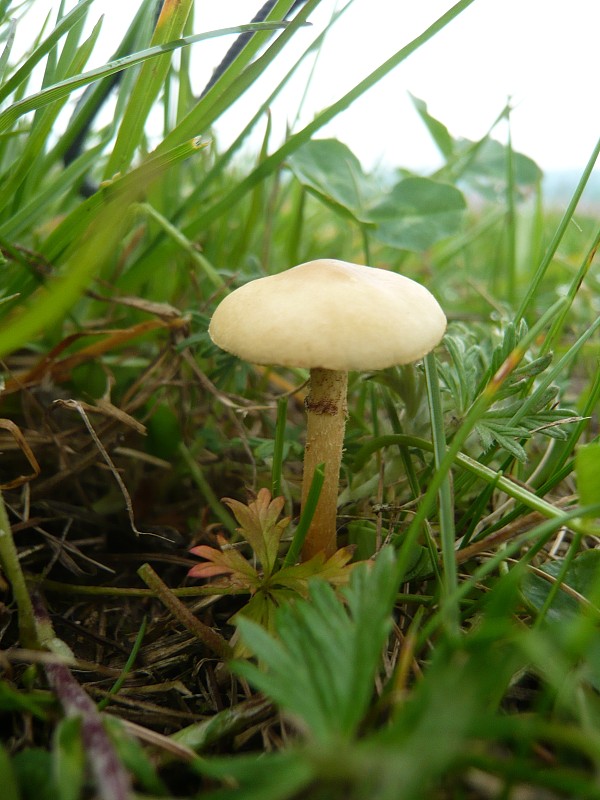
(542, 53)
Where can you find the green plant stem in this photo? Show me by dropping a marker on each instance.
(127, 668)
(183, 242)
(278, 447)
(308, 512)
(121, 591)
(209, 637)
(9, 560)
(485, 399)
(512, 489)
(447, 531)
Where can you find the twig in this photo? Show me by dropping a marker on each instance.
(209, 637)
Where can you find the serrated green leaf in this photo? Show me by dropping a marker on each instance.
(322, 668)
(260, 526)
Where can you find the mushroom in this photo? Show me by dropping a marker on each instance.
(330, 317)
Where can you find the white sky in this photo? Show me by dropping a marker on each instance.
(542, 53)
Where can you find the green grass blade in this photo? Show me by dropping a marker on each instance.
(465, 462)
(34, 211)
(308, 512)
(511, 220)
(278, 445)
(578, 279)
(195, 256)
(24, 72)
(10, 38)
(149, 83)
(557, 370)
(560, 232)
(87, 249)
(478, 408)
(64, 88)
(241, 73)
(136, 37)
(157, 252)
(75, 223)
(41, 130)
(217, 508)
(446, 505)
(114, 689)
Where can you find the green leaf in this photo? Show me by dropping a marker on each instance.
(417, 213)
(276, 776)
(582, 575)
(439, 132)
(134, 757)
(487, 170)
(33, 769)
(10, 789)
(260, 526)
(322, 668)
(68, 758)
(25, 702)
(331, 171)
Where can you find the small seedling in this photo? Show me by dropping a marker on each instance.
(273, 584)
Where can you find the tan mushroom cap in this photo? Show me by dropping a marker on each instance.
(329, 314)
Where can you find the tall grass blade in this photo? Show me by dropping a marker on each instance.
(149, 83)
(560, 232)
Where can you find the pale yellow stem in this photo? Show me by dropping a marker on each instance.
(326, 409)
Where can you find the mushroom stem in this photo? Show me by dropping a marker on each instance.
(326, 409)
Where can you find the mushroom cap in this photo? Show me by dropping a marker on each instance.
(329, 314)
